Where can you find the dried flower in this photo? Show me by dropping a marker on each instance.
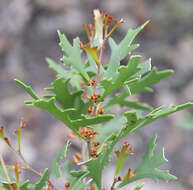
(87, 133)
(129, 175)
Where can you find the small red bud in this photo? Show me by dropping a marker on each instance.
(67, 185)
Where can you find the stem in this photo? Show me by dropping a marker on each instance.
(100, 59)
(5, 171)
(89, 148)
(28, 167)
(113, 185)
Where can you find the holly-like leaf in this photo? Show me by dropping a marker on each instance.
(71, 74)
(55, 166)
(64, 115)
(40, 184)
(134, 122)
(125, 72)
(119, 52)
(121, 100)
(148, 168)
(67, 99)
(73, 55)
(28, 89)
(61, 72)
(95, 166)
(153, 77)
(145, 67)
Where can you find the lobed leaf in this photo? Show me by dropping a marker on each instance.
(55, 166)
(28, 89)
(73, 55)
(67, 99)
(68, 113)
(148, 168)
(152, 78)
(121, 100)
(119, 52)
(125, 72)
(71, 74)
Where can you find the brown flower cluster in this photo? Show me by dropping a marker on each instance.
(92, 82)
(124, 150)
(94, 98)
(87, 133)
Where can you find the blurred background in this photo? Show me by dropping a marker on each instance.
(28, 35)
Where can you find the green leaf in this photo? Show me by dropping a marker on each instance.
(71, 74)
(55, 166)
(78, 173)
(67, 99)
(28, 89)
(73, 55)
(121, 100)
(139, 186)
(84, 121)
(152, 78)
(134, 122)
(113, 126)
(145, 67)
(148, 168)
(24, 186)
(119, 52)
(74, 177)
(95, 166)
(125, 72)
(61, 72)
(65, 115)
(77, 183)
(40, 184)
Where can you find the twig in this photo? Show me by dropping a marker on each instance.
(113, 185)
(89, 148)
(5, 171)
(100, 59)
(27, 166)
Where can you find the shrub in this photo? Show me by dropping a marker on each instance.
(82, 98)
